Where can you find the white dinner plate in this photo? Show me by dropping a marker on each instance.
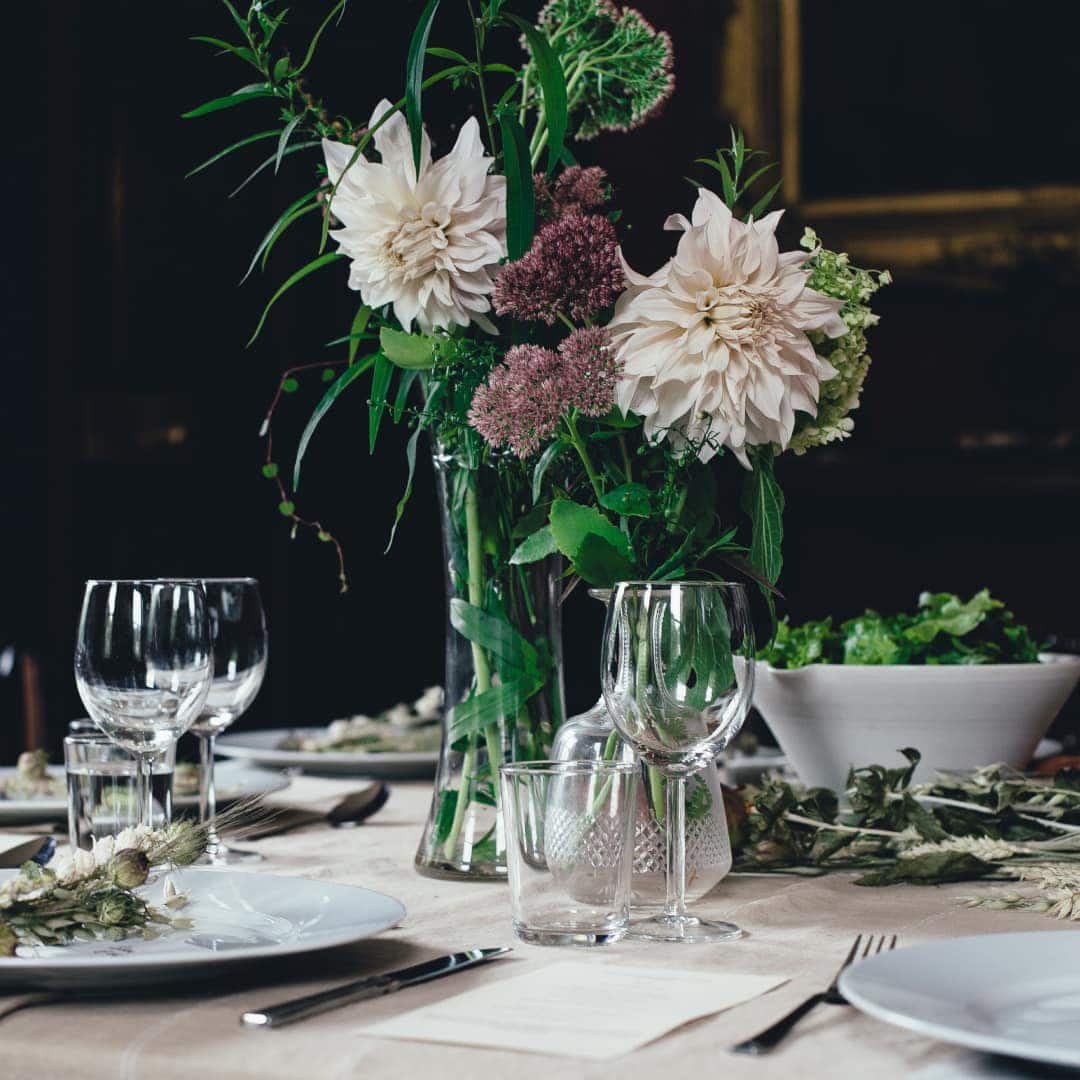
(1016, 994)
(237, 916)
(261, 748)
(233, 779)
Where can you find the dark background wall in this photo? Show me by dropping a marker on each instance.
(130, 406)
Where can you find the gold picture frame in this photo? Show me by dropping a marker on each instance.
(959, 233)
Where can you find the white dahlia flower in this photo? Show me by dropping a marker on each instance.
(714, 345)
(425, 244)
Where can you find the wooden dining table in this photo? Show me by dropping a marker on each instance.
(796, 927)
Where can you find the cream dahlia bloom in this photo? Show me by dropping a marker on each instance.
(714, 345)
(425, 244)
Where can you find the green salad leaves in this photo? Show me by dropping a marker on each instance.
(944, 630)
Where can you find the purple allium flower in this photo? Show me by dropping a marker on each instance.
(576, 188)
(572, 269)
(522, 402)
(590, 370)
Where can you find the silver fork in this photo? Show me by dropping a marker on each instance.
(768, 1039)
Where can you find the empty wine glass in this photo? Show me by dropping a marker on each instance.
(143, 666)
(685, 651)
(238, 634)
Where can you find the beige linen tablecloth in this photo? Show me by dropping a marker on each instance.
(797, 927)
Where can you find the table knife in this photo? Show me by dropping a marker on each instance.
(372, 987)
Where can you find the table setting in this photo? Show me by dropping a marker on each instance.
(473, 882)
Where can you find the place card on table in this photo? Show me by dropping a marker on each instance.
(577, 1009)
(16, 848)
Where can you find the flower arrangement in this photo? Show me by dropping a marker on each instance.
(91, 895)
(583, 415)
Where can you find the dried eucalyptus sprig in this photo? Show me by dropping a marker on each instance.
(990, 824)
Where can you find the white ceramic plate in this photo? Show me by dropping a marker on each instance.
(238, 917)
(1016, 994)
(261, 748)
(234, 780)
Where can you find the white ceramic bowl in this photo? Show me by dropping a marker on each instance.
(828, 717)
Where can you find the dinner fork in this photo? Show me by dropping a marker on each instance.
(768, 1039)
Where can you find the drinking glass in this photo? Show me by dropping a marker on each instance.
(102, 787)
(685, 651)
(570, 848)
(143, 666)
(238, 633)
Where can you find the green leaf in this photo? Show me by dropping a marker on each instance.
(402, 398)
(520, 195)
(294, 216)
(763, 501)
(380, 386)
(316, 264)
(229, 149)
(448, 54)
(359, 325)
(415, 352)
(433, 394)
(294, 149)
(628, 500)
(600, 552)
(286, 508)
(536, 547)
(308, 56)
(552, 86)
(616, 419)
(241, 23)
(601, 563)
(489, 707)
(414, 77)
(290, 386)
(229, 101)
(286, 132)
(494, 635)
(281, 69)
(935, 868)
(543, 464)
(720, 165)
(333, 392)
(270, 470)
(279, 226)
(444, 816)
(763, 202)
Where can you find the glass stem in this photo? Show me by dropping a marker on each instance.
(675, 904)
(207, 791)
(144, 771)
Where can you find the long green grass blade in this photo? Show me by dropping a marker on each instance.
(520, 196)
(316, 264)
(333, 392)
(229, 149)
(552, 86)
(414, 77)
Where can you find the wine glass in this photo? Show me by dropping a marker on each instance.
(143, 666)
(238, 634)
(685, 651)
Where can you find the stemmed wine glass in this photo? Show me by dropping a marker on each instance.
(685, 651)
(238, 634)
(143, 666)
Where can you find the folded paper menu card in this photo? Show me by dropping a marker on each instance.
(576, 1008)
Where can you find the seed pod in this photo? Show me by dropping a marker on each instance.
(129, 868)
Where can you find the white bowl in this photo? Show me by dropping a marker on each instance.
(828, 717)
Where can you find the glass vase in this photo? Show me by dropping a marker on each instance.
(592, 736)
(504, 686)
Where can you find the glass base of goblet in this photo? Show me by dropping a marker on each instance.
(684, 928)
(220, 855)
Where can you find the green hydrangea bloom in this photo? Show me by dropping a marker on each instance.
(831, 273)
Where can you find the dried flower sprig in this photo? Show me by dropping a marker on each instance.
(91, 895)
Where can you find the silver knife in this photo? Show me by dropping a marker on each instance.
(372, 987)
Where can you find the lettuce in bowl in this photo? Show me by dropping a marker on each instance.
(943, 630)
